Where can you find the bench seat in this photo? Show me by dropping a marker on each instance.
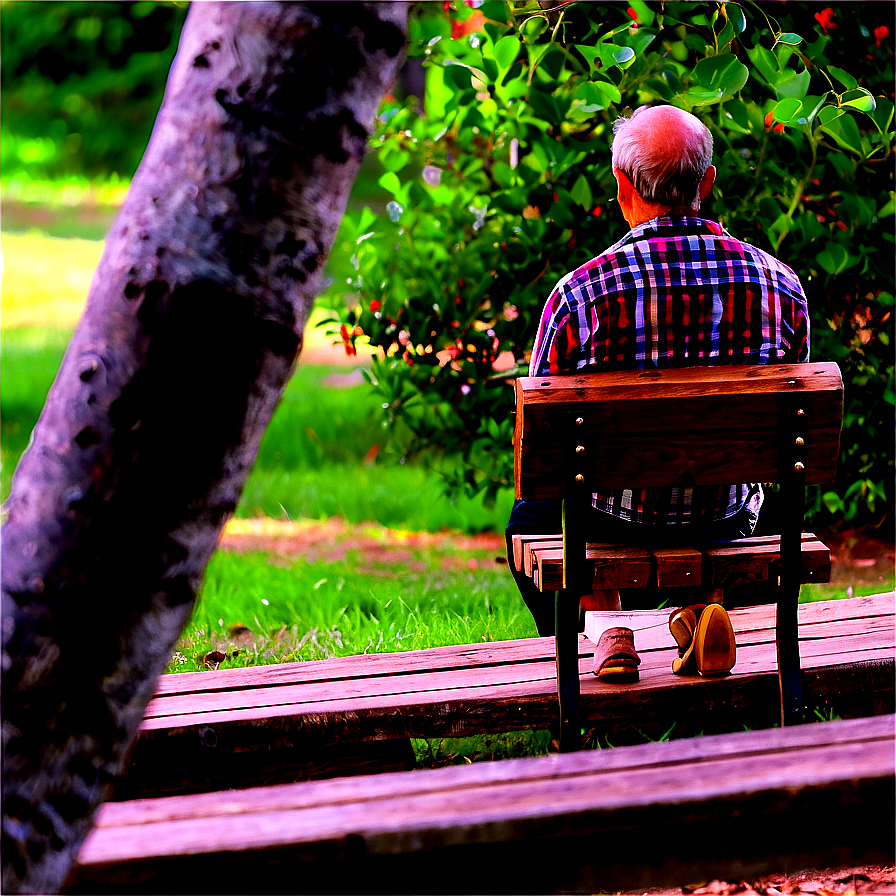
(293, 721)
(724, 565)
(659, 814)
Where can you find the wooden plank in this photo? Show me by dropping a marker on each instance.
(615, 566)
(736, 565)
(519, 543)
(497, 826)
(276, 716)
(726, 566)
(677, 567)
(675, 420)
(531, 547)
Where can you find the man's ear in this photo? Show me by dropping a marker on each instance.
(708, 180)
(624, 190)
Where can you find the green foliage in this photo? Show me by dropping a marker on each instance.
(82, 83)
(504, 184)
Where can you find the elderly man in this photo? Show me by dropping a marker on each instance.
(676, 291)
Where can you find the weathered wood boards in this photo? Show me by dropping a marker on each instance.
(649, 815)
(296, 720)
(729, 565)
(686, 416)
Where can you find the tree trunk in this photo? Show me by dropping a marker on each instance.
(192, 327)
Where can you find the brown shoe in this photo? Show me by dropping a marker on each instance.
(705, 639)
(615, 658)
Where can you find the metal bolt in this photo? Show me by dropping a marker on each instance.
(580, 449)
(799, 467)
(800, 441)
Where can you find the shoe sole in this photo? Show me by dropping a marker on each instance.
(715, 649)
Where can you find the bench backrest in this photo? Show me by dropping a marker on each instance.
(685, 426)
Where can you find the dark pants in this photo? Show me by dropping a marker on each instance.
(545, 518)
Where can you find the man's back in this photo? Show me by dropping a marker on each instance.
(674, 292)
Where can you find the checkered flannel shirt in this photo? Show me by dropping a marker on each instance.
(674, 292)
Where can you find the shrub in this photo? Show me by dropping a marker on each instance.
(500, 181)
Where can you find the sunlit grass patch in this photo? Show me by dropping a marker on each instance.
(45, 280)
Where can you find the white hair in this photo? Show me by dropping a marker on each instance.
(663, 173)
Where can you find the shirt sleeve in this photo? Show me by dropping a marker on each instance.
(556, 339)
(797, 334)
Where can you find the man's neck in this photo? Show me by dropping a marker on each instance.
(642, 212)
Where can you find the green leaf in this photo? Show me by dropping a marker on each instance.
(883, 113)
(533, 28)
(726, 35)
(591, 54)
(506, 51)
(835, 259)
(845, 78)
(859, 98)
(845, 131)
(726, 73)
(739, 119)
(735, 16)
(503, 174)
(394, 159)
(810, 106)
(795, 86)
(833, 502)
(789, 38)
(785, 110)
(765, 62)
(620, 56)
(581, 192)
(609, 90)
(640, 41)
(645, 14)
(390, 182)
(699, 97)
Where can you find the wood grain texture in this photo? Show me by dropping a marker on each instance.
(269, 713)
(731, 565)
(703, 426)
(501, 827)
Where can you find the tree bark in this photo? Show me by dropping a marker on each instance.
(192, 327)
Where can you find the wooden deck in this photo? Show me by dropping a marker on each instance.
(270, 724)
(657, 814)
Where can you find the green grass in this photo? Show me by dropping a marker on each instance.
(269, 609)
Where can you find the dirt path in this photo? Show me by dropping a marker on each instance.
(851, 881)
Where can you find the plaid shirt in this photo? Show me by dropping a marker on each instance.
(674, 292)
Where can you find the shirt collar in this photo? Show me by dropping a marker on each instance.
(679, 225)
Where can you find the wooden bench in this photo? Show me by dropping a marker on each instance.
(660, 814)
(294, 721)
(705, 426)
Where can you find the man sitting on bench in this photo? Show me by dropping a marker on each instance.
(676, 291)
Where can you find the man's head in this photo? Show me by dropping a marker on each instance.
(662, 161)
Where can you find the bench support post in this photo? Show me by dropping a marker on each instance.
(566, 608)
(793, 495)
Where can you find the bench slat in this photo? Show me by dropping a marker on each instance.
(579, 808)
